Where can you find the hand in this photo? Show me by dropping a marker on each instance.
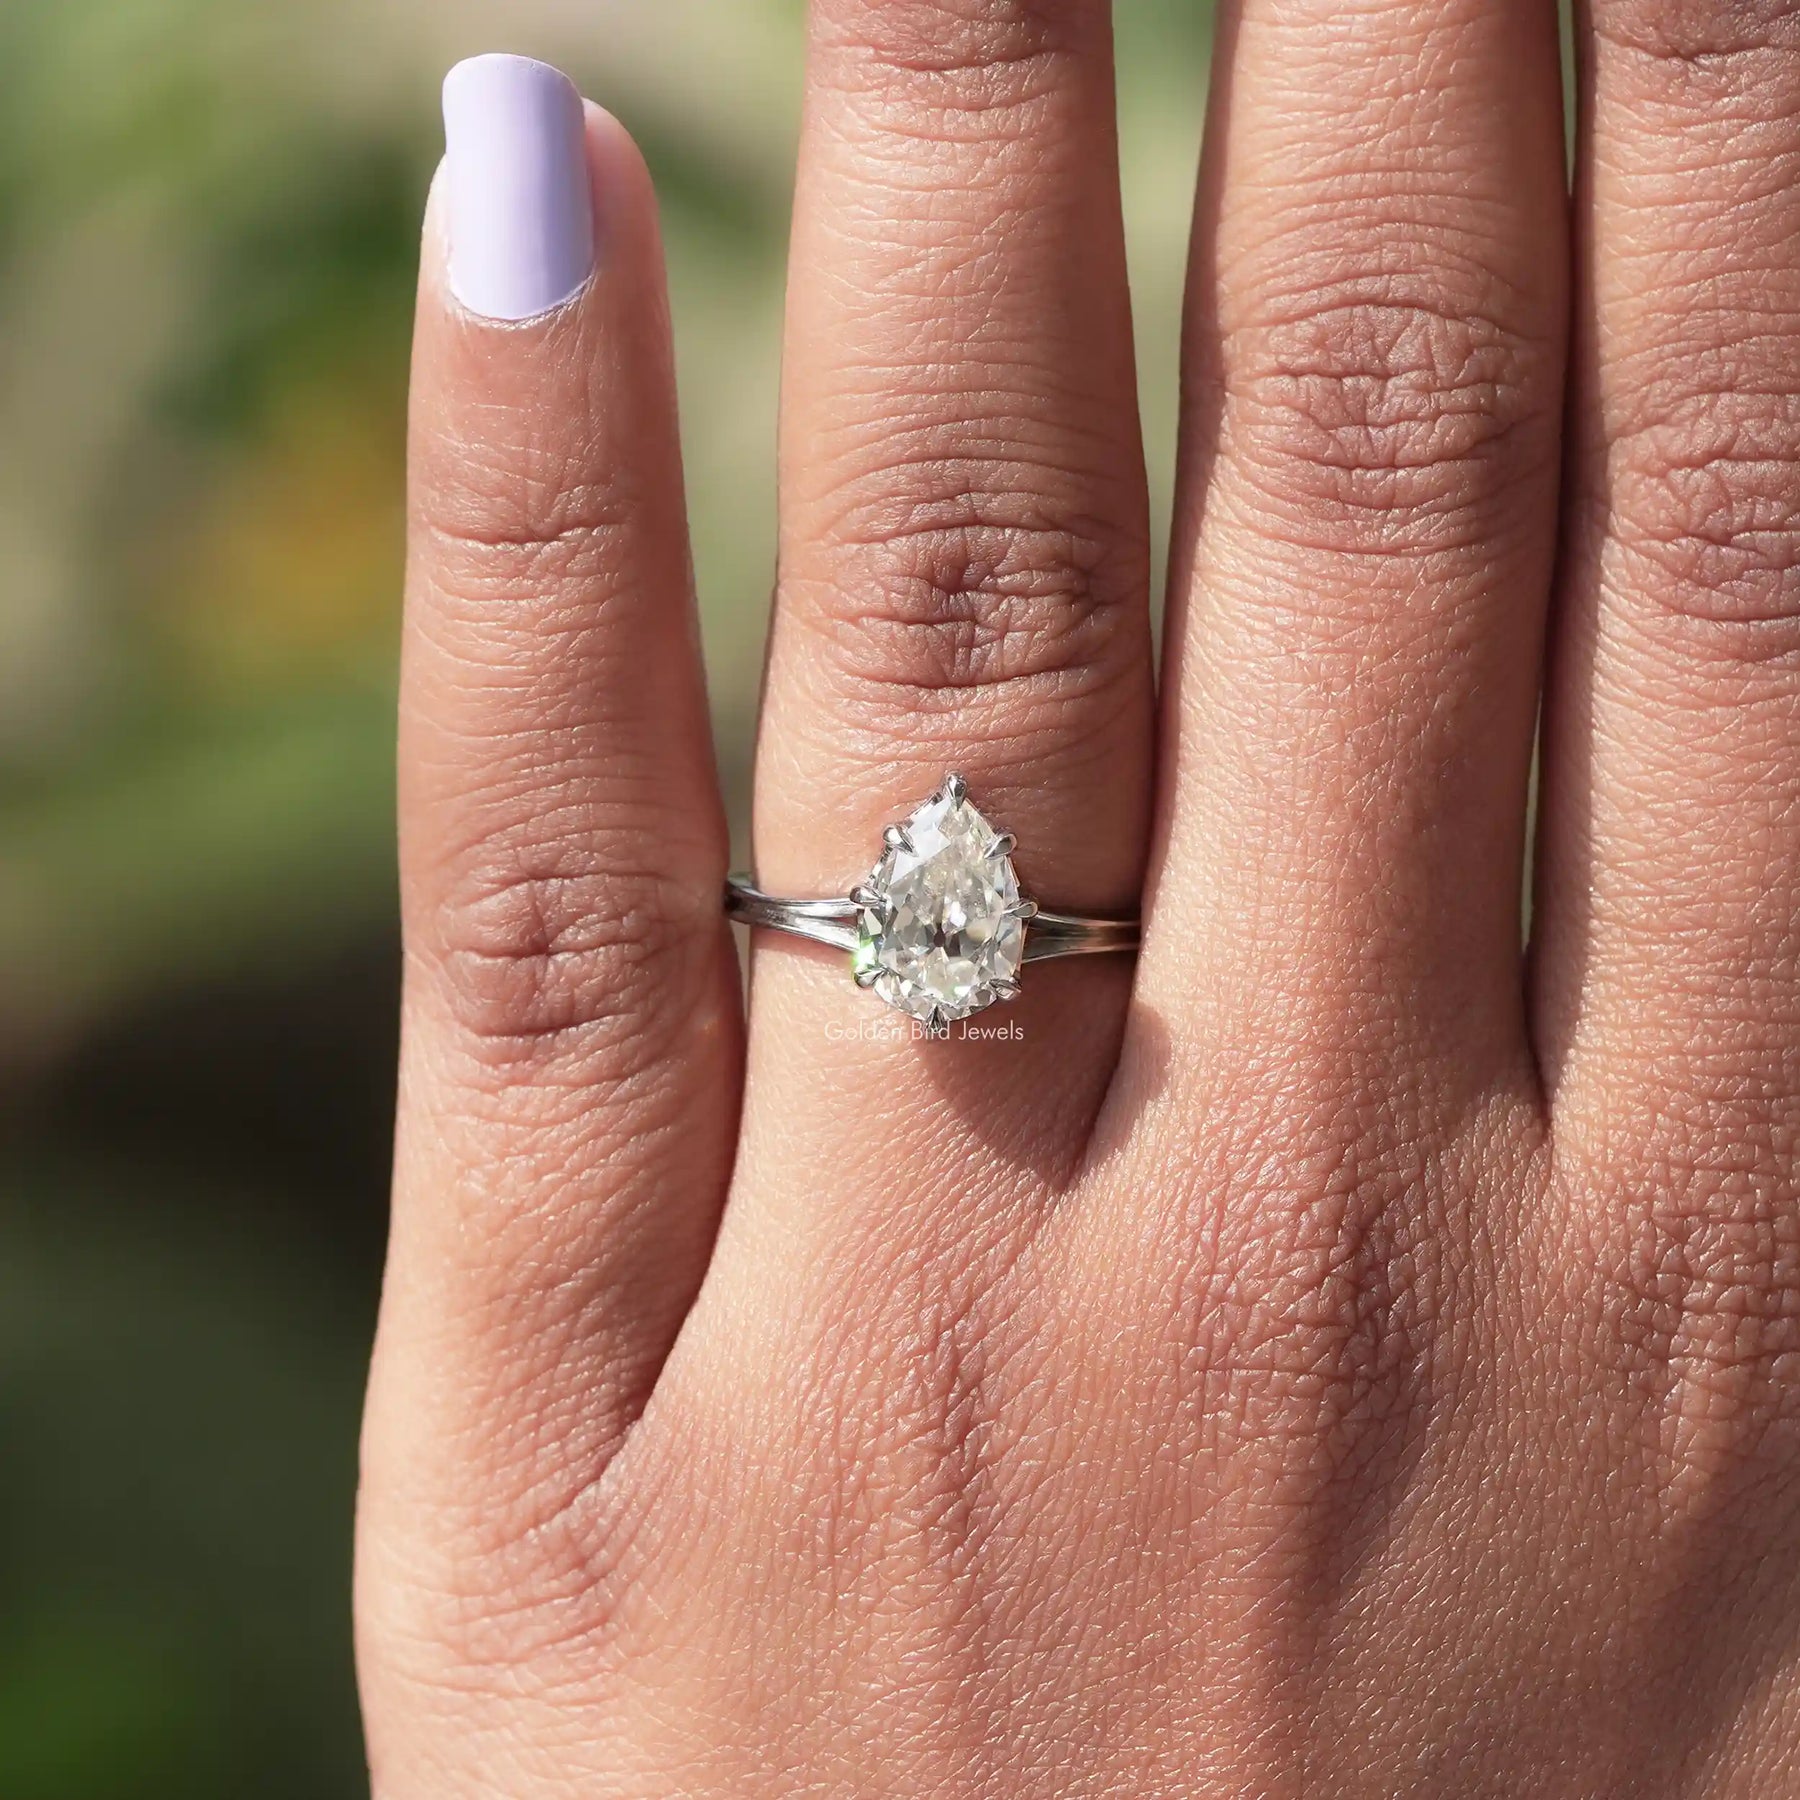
(1332, 1355)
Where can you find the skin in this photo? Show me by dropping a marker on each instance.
(1335, 1355)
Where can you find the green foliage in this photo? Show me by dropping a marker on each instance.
(177, 1394)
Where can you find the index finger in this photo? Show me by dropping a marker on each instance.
(571, 1039)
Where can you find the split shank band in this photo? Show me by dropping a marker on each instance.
(835, 922)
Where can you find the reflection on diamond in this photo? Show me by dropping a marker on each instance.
(944, 937)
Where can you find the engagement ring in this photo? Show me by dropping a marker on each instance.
(939, 930)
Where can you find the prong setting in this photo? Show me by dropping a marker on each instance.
(938, 929)
(940, 932)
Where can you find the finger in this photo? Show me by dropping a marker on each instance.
(961, 587)
(963, 556)
(1364, 541)
(570, 1036)
(1669, 910)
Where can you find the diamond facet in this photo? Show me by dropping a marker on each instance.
(946, 933)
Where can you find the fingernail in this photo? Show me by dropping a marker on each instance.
(521, 218)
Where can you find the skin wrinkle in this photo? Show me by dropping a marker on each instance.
(1702, 496)
(1698, 37)
(1012, 600)
(885, 440)
(958, 106)
(1368, 401)
(548, 964)
(953, 37)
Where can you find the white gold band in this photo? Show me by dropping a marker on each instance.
(834, 922)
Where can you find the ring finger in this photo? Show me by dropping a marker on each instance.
(962, 588)
(963, 554)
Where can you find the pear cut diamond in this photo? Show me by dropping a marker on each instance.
(941, 930)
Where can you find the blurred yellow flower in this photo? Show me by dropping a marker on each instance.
(287, 566)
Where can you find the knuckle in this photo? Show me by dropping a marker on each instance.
(1704, 497)
(544, 949)
(976, 597)
(926, 1419)
(1310, 1322)
(515, 1581)
(1698, 1299)
(1374, 420)
(1330, 1331)
(521, 523)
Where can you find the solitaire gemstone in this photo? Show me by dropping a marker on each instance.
(945, 936)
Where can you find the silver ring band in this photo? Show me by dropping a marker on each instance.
(834, 923)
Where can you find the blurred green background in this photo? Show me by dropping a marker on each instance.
(208, 219)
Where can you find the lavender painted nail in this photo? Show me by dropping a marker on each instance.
(521, 218)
